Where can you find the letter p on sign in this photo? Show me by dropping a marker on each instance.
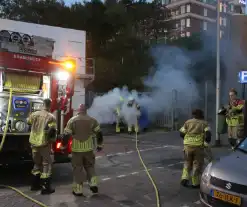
(243, 76)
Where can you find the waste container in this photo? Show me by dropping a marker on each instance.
(143, 121)
(222, 125)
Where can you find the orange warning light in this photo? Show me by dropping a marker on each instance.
(68, 65)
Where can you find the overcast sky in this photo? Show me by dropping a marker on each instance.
(71, 1)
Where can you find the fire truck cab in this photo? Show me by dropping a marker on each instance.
(25, 80)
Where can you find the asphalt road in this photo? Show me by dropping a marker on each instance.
(123, 180)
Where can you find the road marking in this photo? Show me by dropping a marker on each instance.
(198, 202)
(134, 173)
(121, 176)
(104, 179)
(141, 150)
(181, 162)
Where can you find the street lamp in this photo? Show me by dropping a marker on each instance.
(217, 140)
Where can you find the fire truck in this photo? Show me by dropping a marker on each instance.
(29, 73)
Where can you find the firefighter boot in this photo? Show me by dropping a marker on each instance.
(185, 177)
(185, 183)
(46, 187)
(35, 185)
(94, 189)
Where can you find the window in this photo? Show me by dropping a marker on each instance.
(220, 7)
(177, 12)
(182, 22)
(224, 21)
(232, 8)
(188, 34)
(188, 22)
(221, 33)
(205, 12)
(188, 8)
(205, 25)
(221, 20)
(224, 8)
(204, 1)
(182, 9)
(177, 25)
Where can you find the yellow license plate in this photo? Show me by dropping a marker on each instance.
(227, 197)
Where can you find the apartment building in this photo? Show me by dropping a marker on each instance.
(194, 16)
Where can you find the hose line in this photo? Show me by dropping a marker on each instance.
(1, 147)
(148, 174)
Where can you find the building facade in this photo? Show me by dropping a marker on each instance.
(194, 16)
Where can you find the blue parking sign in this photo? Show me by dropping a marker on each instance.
(242, 76)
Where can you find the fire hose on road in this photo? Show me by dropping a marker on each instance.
(44, 205)
(1, 147)
(148, 174)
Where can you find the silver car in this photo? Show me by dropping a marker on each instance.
(224, 181)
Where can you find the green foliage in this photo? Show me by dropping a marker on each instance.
(117, 31)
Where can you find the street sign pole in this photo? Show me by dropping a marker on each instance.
(217, 137)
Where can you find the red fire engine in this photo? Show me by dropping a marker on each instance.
(28, 74)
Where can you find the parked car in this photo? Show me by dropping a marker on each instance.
(224, 181)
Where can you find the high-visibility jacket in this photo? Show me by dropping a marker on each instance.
(41, 121)
(235, 115)
(194, 130)
(83, 128)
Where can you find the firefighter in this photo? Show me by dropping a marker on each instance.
(132, 103)
(118, 114)
(234, 117)
(195, 132)
(43, 133)
(83, 129)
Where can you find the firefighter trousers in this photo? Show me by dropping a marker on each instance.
(118, 119)
(83, 164)
(194, 159)
(42, 161)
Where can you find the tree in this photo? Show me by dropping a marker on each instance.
(117, 31)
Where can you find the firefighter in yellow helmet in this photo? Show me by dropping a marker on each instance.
(43, 133)
(235, 117)
(84, 129)
(195, 132)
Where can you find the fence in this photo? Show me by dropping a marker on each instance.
(178, 111)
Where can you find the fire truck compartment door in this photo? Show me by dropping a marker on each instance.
(22, 83)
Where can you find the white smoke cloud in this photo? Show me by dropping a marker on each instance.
(171, 76)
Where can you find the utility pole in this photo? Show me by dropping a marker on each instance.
(217, 137)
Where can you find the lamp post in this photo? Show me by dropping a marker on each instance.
(217, 139)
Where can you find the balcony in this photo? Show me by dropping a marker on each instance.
(209, 5)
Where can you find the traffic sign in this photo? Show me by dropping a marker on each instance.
(242, 76)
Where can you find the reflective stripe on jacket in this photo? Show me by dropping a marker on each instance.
(82, 128)
(194, 130)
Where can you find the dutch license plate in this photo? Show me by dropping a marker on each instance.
(226, 197)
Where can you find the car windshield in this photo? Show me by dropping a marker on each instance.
(243, 145)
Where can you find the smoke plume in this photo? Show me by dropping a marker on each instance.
(170, 77)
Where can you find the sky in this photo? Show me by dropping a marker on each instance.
(68, 2)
